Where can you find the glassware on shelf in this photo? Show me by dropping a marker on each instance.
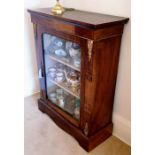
(60, 73)
(58, 97)
(77, 109)
(53, 98)
(63, 51)
(70, 82)
(70, 105)
(61, 101)
(65, 101)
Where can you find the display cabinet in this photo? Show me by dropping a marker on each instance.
(77, 56)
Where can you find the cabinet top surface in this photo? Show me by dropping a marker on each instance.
(82, 18)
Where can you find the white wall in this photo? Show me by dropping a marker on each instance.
(122, 103)
(30, 64)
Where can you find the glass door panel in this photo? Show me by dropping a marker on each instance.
(62, 68)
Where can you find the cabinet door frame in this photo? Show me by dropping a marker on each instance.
(40, 30)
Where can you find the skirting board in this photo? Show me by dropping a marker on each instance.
(122, 128)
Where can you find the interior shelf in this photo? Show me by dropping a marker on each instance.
(67, 89)
(66, 61)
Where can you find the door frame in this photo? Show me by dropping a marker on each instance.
(41, 66)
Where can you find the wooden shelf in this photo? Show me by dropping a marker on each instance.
(67, 89)
(65, 61)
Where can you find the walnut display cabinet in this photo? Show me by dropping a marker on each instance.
(77, 56)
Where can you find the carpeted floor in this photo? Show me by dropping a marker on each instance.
(44, 137)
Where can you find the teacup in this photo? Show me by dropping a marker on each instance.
(61, 102)
(53, 97)
(75, 46)
(51, 72)
(59, 77)
(77, 112)
(77, 62)
(68, 45)
(74, 53)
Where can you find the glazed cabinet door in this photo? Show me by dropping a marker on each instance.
(62, 72)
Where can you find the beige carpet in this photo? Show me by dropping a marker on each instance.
(44, 137)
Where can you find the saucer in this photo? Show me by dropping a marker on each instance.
(60, 53)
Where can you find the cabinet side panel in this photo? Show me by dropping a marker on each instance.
(102, 88)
